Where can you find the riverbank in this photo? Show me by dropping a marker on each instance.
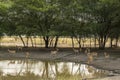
(67, 54)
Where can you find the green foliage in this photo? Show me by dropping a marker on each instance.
(60, 17)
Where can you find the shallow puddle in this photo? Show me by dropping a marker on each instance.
(28, 69)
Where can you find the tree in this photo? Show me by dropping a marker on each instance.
(4, 6)
(101, 12)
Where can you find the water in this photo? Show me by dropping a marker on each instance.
(42, 70)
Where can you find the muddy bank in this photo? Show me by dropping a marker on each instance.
(111, 63)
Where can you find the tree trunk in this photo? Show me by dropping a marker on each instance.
(90, 41)
(31, 41)
(56, 41)
(35, 42)
(72, 41)
(95, 42)
(79, 42)
(83, 44)
(101, 45)
(22, 40)
(46, 43)
(116, 43)
(46, 39)
(83, 41)
(51, 42)
(0, 41)
(27, 42)
(102, 42)
(111, 40)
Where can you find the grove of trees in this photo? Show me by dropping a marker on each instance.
(51, 19)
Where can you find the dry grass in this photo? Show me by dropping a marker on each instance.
(63, 42)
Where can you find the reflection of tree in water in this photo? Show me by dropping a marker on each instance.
(45, 70)
(52, 70)
(25, 64)
(70, 72)
(24, 73)
(65, 70)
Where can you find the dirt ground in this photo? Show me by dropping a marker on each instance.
(111, 63)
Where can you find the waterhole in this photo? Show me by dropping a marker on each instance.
(29, 69)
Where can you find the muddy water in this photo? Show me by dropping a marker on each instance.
(42, 70)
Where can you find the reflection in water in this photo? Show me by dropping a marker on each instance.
(38, 70)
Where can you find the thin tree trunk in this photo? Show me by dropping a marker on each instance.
(95, 42)
(56, 41)
(102, 43)
(41, 41)
(31, 41)
(51, 42)
(79, 42)
(83, 43)
(27, 42)
(111, 40)
(116, 43)
(90, 41)
(72, 41)
(35, 41)
(22, 40)
(0, 41)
